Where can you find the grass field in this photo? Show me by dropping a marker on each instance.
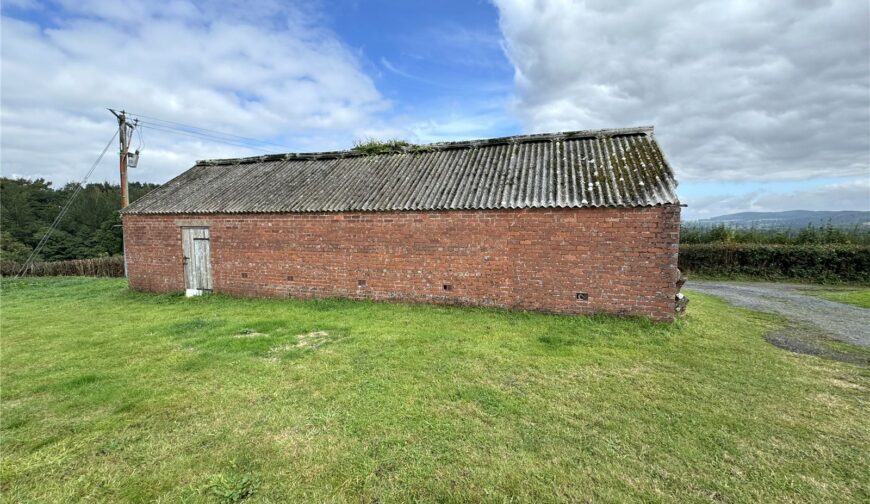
(109, 395)
(853, 296)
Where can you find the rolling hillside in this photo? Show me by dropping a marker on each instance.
(790, 219)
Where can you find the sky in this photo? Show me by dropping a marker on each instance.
(759, 106)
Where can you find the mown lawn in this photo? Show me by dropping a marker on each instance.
(853, 296)
(109, 395)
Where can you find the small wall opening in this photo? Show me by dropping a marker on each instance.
(447, 287)
(360, 283)
(582, 296)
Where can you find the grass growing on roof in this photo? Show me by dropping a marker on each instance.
(111, 395)
(372, 146)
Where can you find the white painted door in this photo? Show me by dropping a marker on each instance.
(197, 260)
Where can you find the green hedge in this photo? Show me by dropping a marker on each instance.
(817, 263)
(97, 267)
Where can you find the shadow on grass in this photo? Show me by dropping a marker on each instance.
(809, 340)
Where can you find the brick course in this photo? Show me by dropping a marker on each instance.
(625, 259)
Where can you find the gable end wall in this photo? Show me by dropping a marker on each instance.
(625, 259)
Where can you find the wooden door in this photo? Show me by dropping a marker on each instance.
(197, 259)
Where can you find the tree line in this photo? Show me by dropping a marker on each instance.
(91, 227)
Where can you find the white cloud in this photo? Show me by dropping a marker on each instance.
(737, 90)
(401, 73)
(263, 72)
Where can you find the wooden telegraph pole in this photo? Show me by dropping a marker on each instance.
(125, 132)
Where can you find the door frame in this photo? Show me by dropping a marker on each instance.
(189, 265)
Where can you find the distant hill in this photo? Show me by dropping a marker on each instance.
(790, 219)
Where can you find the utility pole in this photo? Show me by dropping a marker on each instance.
(125, 132)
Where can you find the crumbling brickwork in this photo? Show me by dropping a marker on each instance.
(580, 260)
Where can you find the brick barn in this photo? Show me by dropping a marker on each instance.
(577, 222)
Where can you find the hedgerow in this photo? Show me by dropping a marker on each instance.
(830, 263)
(810, 235)
(96, 267)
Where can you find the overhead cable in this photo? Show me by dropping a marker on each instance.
(175, 125)
(64, 209)
(204, 136)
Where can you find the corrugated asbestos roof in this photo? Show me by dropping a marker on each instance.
(604, 168)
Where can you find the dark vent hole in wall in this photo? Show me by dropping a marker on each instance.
(289, 278)
(448, 287)
(244, 275)
(582, 296)
(360, 283)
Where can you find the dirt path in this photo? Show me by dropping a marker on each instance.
(838, 321)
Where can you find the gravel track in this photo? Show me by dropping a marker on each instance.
(837, 320)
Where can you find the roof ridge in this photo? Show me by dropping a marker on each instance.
(576, 169)
(437, 146)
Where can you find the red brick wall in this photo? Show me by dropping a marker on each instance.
(625, 259)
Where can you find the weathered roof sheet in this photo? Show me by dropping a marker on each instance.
(604, 168)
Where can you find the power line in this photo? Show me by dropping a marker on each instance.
(203, 136)
(141, 142)
(171, 129)
(216, 136)
(211, 132)
(161, 125)
(167, 124)
(65, 208)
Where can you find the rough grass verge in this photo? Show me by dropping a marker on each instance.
(857, 297)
